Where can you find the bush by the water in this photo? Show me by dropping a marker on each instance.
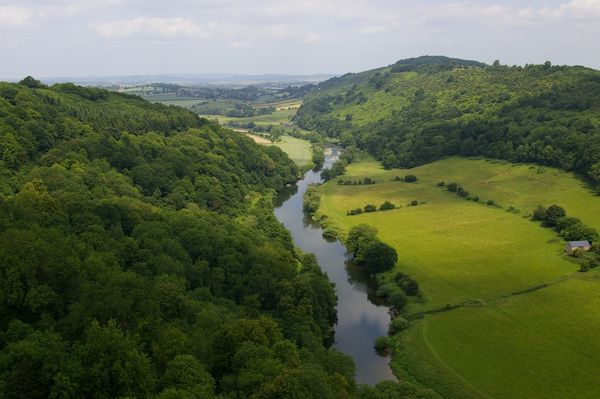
(397, 324)
(312, 199)
(383, 344)
(369, 251)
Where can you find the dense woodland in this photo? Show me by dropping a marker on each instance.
(422, 109)
(140, 258)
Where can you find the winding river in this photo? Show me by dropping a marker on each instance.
(361, 319)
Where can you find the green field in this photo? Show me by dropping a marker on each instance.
(298, 150)
(276, 118)
(509, 346)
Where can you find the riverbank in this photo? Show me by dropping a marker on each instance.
(360, 319)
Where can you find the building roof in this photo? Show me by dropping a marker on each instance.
(579, 243)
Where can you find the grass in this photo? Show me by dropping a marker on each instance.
(276, 118)
(298, 150)
(458, 250)
(541, 344)
(183, 102)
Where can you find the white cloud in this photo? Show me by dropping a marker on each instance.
(154, 28)
(11, 16)
(282, 35)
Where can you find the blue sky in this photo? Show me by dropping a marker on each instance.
(116, 37)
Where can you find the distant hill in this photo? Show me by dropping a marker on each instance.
(429, 61)
(219, 79)
(420, 109)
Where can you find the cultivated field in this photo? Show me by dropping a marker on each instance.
(463, 251)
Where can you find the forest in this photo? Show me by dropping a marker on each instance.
(140, 257)
(420, 110)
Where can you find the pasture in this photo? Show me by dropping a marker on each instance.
(276, 118)
(298, 150)
(460, 251)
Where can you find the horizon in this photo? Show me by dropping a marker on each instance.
(213, 75)
(66, 38)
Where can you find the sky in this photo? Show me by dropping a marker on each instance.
(52, 38)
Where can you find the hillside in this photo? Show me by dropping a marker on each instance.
(419, 110)
(140, 257)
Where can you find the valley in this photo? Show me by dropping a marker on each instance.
(487, 258)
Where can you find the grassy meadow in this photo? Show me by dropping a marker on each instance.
(460, 251)
(277, 117)
(298, 150)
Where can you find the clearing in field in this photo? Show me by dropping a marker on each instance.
(464, 251)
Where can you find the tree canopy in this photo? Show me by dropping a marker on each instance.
(419, 110)
(140, 257)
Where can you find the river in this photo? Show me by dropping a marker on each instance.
(361, 317)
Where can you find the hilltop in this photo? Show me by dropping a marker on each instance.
(422, 109)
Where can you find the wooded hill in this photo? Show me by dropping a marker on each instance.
(140, 257)
(421, 109)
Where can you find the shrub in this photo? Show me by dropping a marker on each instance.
(311, 200)
(441, 184)
(553, 213)
(370, 208)
(409, 286)
(414, 203)
(579, 231)
(359, 236)
(387, 205)
(397, 324)
(577, 253)
(398, 300)
(410, 178)
(452, 187)
(398, 178)
(382, 344)
(386, 290)
(379, 257)
(462, 192)
(491, 202)
(368, 180)
(539, 213)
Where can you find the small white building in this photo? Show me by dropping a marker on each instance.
(573, 245)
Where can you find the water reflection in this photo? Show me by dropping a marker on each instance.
(362, 317)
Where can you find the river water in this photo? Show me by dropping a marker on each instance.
(361, 317)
